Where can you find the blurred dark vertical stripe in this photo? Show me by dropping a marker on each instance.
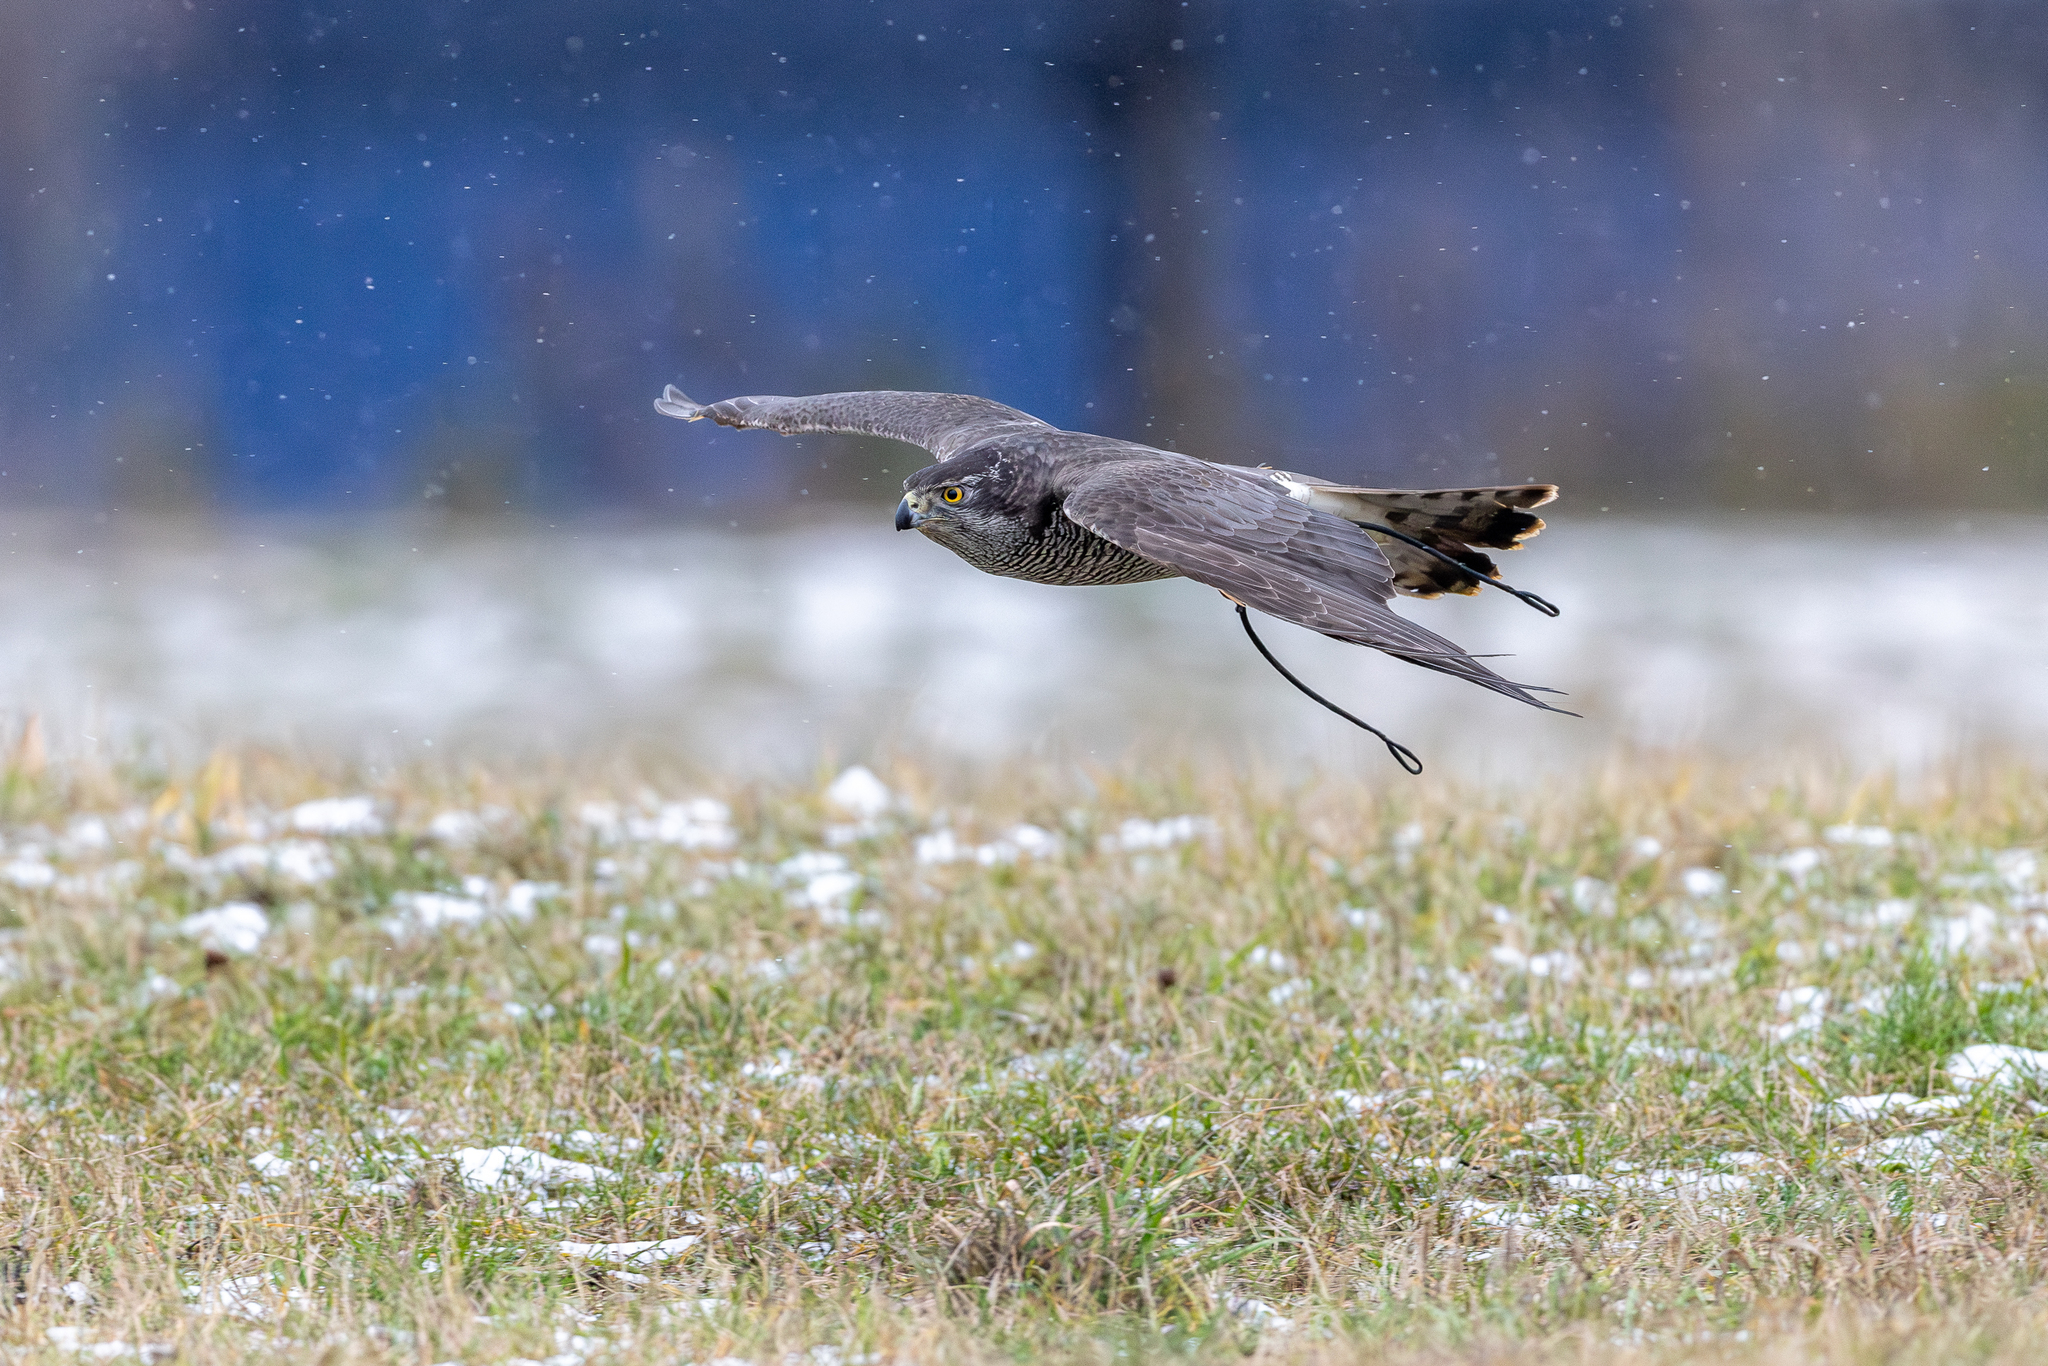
(1151, 79)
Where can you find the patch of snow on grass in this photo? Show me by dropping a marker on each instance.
(648, 1253)
(337, 816)
(1702, 976)
(271, 1167)
(1592, 896)
(1974, 929)
(1033, 841)
(611, 1145)
(759, 1171)
(1862, 836)
(248, 1297)
(940, 846)
(1916, 1152)
(67, 1337)
(237, 927)
(157, 987)
(1863, 1109)
(2019, 869)
(700, 823)
(1494, 1214)
(1137, 833)
(1112, 1059)
(1997, 1064)
(1290, 989)
(1808, 1005)
(1363, 917)
(427, 911)
(828, 890)
(1558, 963)
(457, 827)
(1018, 954)
(1688, 1182)
(1703, 882)
(29, 872)
(306, 862)
(522, 899)
(860, 794)
(1257, 1314)
(1022, 841)
(509, 1167)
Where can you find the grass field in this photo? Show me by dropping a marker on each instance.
(611, 1066)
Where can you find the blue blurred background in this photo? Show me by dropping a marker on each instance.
(431, 253)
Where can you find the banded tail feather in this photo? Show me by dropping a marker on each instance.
(1454, 521)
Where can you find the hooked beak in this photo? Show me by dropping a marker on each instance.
(906, 517)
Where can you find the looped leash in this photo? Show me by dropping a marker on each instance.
(1403, 755)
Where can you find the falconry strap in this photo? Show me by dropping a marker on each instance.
(1541, 604)
(1403, 755)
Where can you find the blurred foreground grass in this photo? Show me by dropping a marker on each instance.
(582, 1068)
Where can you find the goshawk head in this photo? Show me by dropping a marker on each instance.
(982, 499)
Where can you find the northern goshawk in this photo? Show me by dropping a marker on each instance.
(1018, 497)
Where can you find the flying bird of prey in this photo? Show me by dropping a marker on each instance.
(1015, 496)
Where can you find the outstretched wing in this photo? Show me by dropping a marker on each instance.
(944, 424)
(1240, 533)
(1455, 521)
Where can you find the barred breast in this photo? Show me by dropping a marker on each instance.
(1068, 555)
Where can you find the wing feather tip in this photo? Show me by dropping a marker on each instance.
(675, 403)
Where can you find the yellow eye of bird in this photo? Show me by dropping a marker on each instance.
(954, 494)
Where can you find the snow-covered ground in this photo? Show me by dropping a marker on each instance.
(1884, 644)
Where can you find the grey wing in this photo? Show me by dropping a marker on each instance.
(1454, 521)
(1241, 534)
(944, 424)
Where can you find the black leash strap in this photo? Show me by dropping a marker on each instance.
(1403, 755)
(1543, 605)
